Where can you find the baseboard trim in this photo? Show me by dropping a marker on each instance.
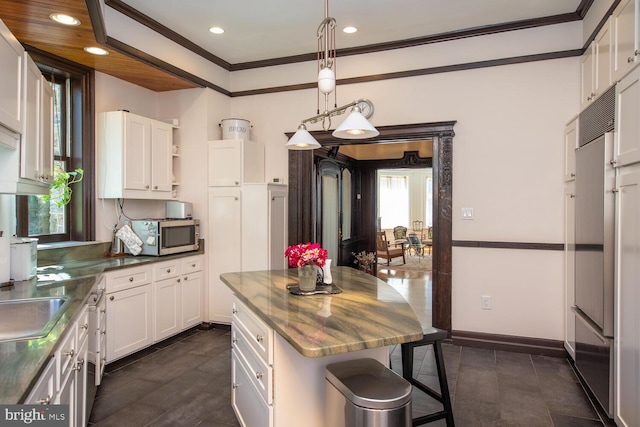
(517, 344)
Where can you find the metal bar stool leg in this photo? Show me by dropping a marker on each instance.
(432, 336)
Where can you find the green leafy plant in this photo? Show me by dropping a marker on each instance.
(61, 185)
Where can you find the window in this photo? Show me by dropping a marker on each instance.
(394, 200)
(73, 148)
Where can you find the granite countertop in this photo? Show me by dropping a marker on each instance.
(23, 361)
(367, 314)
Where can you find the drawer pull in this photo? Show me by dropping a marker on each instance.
(168, 270)
(178, 280)
(111, 298)
(235, 385)
(79, 365)
(45, 401)
(186, 277)
(234, 311)
(131, 279)
(259, 375)
(85, 326)
(193, 265)
(259, 338)
(69, 353)
(234, 340)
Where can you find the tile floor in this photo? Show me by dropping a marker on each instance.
(186, 381)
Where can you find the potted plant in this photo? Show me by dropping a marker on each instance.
(61, 185)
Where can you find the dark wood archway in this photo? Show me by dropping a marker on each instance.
(302, 199)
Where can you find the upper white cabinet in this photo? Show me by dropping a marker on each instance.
(625, 37)
(596, 66)
(234, 162)
(627, 143)
(570, 145)
(134, 157)
(11, 84)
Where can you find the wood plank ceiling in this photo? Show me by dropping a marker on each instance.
(29, 21)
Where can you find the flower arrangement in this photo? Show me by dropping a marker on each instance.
(365, 260)
(306, 254)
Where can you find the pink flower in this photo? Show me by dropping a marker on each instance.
(305, 254)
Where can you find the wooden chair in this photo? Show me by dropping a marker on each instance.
(385, 252)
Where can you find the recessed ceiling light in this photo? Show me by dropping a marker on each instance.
(96, 50)
(64, 19)
(349, 30)
(216, 30)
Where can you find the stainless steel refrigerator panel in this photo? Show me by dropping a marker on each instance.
(594, 216)
(594, 361)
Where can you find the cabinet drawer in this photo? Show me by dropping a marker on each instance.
(66, 352)
(166, 270)
(44, 391)
(128, 278)
(260, 373)
(191, 264)
(250, 408)
(260, 335)
(83, 325)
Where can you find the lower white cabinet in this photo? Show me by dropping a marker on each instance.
(129, 321)
(627, 276)
(569, 263)
(251, 367)
(150, 303)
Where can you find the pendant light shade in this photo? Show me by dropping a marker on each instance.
(302, 140)
(355, 126)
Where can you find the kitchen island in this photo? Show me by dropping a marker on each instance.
(283, 342)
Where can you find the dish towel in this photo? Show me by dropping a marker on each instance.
(130, 239)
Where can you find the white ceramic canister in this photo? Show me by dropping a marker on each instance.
(236, 129)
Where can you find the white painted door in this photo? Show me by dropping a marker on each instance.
(11, 84)
(626, 149)
(129, 321)
(192, 299)
(161, 156)
(167, 295)
(137, 153)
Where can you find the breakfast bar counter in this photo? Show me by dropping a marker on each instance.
(282, 342)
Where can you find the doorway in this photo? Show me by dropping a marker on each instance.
(303, 206)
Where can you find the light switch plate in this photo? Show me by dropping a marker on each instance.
(467, 213)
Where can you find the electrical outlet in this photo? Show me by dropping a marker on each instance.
(486, 302)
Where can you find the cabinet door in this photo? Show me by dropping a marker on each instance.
(67, 396)
(129, 321)
(43, 393)
(137, 153)
(586, 71)
(12, 82)
(29, 162)
(569, 267)
(46, 131)
(627, 144)
(225, 163)
(161, 156)
(623, 21)
(277, 228)
(246, 401)
(168, 308)
(81, 386)
(627, 347)
(224, 248)
(570, 145)
(192, 286)
(602, 48)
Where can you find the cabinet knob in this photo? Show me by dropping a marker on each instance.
(259, 338)
(234, 340)
(111, 298)
(178, 280)
(235, 198)
(573, 174)
(237, 183)
(168, 270)
(69, 353)
(193, 265)
(155, 187)
(131, 279)
(45, 401)
(636, 52)
(613, 162)
(85, 326)
(259, 375)
(630, 59)
(146, 186)
(615, 190)
(234, 311)
(573, 196)
(235, 386)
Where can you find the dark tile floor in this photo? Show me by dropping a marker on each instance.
(186, 382)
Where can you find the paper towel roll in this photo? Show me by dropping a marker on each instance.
(4, 258)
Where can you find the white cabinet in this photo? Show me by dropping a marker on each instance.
(247, 232)
(627, 277)
(570, 145)
(168, 306)
(252, 368)
(233, 162)
(44, 392)
(625, 36)
(135, 157)
(192, 290)
(596, 65)
(627, 143)
(569, 267)
(129, 311)
(11, 84)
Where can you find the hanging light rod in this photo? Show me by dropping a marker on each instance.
(356, 125)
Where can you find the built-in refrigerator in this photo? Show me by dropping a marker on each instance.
(594, 266)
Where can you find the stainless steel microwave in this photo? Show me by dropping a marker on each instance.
(165, 237)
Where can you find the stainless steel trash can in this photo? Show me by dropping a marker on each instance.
(365, 393)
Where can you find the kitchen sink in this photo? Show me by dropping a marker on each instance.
(30, 318)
